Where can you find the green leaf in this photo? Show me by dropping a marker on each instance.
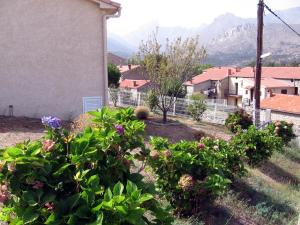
(61, 170)
(14, 152)
(30, 216)
(93, 181)
(118, 199)
(51, 219)
(108, 205)
(122, 210)
(99, 220)
(144, 198)
(72, 201)
(108, 195)
(118, 189)
(130, 187)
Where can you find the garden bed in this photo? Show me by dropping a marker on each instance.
(18, 129)
(268, 193)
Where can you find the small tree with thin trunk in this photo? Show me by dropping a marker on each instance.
(169, 67)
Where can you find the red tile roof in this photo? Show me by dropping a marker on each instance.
(133, 84)
(271, 72)
(217, 73)
(282, 103)
(271, 83)
(125, 68)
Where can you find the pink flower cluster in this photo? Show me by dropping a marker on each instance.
(37, 185)
(48, 145)
(49, 206)
(4, 195)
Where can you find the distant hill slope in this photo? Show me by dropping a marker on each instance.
(230, 40)
(237, 46)
(115, 59)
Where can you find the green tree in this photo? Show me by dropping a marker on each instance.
(169, 67)
(113, 75)
(197, 106)
(201, 67)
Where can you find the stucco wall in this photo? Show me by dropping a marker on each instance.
(199, 87)
(51, 55)
(243, 83)
(295, 119)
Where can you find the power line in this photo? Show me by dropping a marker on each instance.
(289, 26)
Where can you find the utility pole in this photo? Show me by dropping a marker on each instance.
(257, 93)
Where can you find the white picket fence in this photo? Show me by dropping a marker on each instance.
(217, 109)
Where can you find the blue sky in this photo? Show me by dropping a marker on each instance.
(186, 13)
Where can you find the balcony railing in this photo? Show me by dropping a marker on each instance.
(232, 92)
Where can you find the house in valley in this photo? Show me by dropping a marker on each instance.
(237, 84)
(283, 107)
(212, 82)
(53, 56)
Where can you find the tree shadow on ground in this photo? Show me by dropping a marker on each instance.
(253, 197)
(278, 174)
(173, 130)
(221, 215)
(176, 130)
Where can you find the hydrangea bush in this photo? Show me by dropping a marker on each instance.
(283, 129)
(259, 145)
(192, 174)
(238, 120)
(80, 178)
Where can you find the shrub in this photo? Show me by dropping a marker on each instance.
(152, 100)
(258, 145)
(238, 120)
(142, 112)
(197, 106)
(78, 179)
(199, 134)
(192, 174)
(283, 129)
(114, 95)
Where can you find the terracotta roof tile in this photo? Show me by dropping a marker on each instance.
(271, 72)
(282, 103)
(125, 68)
(217, 73)
(133, 84)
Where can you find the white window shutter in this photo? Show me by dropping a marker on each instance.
(92, 103)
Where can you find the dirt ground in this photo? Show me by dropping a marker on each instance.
(15, 130)
(182, 129)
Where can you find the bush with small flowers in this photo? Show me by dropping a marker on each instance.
(192, 174)
(82, 178)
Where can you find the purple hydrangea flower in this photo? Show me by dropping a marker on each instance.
(120, 129)
(52, 122)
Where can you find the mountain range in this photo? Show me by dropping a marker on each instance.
(229, 40)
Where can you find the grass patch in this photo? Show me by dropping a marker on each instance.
(265, 197)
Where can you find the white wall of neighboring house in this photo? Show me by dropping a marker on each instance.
(52, 54)
(293, 82)
(245, 92)
(198, 87)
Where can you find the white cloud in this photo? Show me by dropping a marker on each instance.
(186, 13)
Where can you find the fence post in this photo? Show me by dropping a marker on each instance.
(215, 113)
(139, 99)
(174, 108)
(119, 98)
